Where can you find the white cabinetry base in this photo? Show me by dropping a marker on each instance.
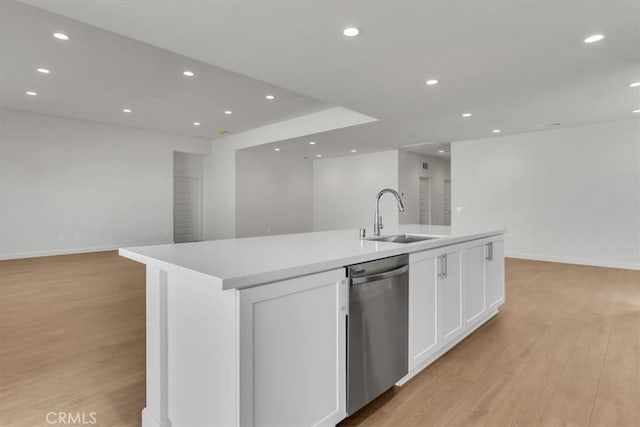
(438, 354)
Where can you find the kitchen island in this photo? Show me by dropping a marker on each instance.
(252, 331)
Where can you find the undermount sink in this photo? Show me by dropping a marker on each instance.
(402, 238)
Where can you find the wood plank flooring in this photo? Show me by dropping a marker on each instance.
(564, 350)
(72, 339)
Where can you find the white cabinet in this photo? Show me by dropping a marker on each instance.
(452, 291)
(423, 296)
(275, 354)
(494, 255)
(475, 294)
(293, 352)
(449, 294)
(435, 302)
(483, 270)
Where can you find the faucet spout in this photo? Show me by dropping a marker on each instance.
(377, 221)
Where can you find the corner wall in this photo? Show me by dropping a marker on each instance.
(220, 166)
(567, 195)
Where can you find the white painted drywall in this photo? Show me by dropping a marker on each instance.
(220, 167)
(187, 164)
(344, 190)
(410, 171)
(73, 186)
(219, 196)
(567, 195)
(274, 194)
(309, 124)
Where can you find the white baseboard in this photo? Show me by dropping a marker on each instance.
(578, 261)
(149, 420)
(52, 252)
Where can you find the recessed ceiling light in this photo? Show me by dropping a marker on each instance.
(61, 36)
(31, 93)
(351, 31)
(228, 112)
(188, 73)
(318, 155)
(440, 151)
(312, 143)
(496, 131)
(270, 97)
(634, 84)
(354, 151)
(196, 123)
(276, 149)
(126, 110)
(636, 111)
(432, 82)
(43, 71)
(594, 38)
(466, 115)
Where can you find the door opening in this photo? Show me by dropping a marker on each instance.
(187, 197)
(425, 200)
(447, 202)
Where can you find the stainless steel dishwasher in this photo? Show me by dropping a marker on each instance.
(377, 328)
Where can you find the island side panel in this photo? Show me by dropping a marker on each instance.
(202, 343)
(155, 413)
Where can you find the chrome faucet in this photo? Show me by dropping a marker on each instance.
(377, 220)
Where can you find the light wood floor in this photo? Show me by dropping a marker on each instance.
(72, 339)
(564, 350)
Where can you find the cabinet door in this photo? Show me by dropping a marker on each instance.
(293, 352)
(473, 272)
(450, 296)
(423, 298)
(494, 254)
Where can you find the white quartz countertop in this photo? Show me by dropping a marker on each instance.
(247, 262)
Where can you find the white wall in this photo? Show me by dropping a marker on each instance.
(72, 186)
(220, 167)
(568, 195)
(410, 171)
(274, 194)
(344, 190)
(187, 164)
(219, 196)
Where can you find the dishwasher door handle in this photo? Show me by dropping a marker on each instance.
(381, 276)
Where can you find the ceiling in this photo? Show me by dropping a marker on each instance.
(97, 73)
(341, 142)
(431, 149)
(516, 65)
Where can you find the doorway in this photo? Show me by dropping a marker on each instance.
(187, 197)
(425, 200)
(447, 202)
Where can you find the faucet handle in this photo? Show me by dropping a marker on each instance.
(380, 224)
